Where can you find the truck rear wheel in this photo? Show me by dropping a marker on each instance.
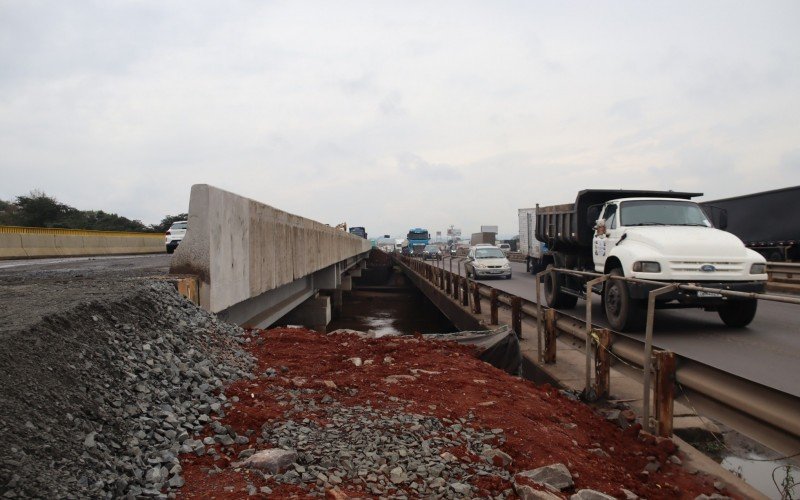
(552, 292)
(624, 314)
(738, 313)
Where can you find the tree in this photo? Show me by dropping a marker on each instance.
(167, 221)
(38, 210)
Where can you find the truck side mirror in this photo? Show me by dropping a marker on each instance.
(723, 219)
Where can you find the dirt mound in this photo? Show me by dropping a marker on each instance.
(96, 399)
(416, 418)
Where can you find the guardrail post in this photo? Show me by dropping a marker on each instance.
(648, 351)
(664, 391)
(549, 336)
(494, 304)
(516, 316)
(602, 364)
(539, 334)
(476, 299)
(458, 282)
(587, 388)
(448, 280)
(442, 280)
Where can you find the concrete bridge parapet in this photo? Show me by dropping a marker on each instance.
(256, 263)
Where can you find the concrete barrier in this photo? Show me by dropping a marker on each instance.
(240, 248)
(31, 242)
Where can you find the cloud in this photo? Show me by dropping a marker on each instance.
(391, 116)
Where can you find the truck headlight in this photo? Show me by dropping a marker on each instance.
(758, 268)
(644, 266)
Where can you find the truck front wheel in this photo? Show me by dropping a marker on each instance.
(738, 313)
(623, 312)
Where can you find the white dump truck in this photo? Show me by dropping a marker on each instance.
(656, 235)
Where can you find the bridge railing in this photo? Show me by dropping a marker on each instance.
(770, 410)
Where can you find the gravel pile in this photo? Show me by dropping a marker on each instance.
(384, 452)
(96, 401)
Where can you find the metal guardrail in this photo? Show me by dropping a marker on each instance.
(784, 272)
(73, 232)
(773, 408)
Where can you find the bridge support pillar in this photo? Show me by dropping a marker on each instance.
(347, 283)
(314, 313)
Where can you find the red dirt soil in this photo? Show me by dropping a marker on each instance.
(448, 382)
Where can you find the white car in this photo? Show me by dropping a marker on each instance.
(484, 261)
(175, 234)
(505, 247)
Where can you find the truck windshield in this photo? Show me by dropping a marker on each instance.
(662, 213)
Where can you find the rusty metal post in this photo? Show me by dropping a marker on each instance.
(664, 391)
(602, 364)
(549, 336)
(448, 280)
(587, 388)
(465, 292)
(476, 298)
(648, 351)
(516, 316)
(494, 304)
(539, 333)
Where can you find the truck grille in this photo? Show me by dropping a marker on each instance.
(693, 266)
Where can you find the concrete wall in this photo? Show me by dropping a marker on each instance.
(22, 242)
(240, 248)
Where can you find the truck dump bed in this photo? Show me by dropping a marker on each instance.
(765, 218)
(566, 227)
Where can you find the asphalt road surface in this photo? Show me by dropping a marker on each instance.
(767, 351)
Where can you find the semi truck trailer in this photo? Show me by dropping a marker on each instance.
(656, 235)
(767, 222)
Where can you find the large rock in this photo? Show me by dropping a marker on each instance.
(590, 495)
(272, 460)
(556, 475)
(525, 492)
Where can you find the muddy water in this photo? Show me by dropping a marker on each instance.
(389, 306)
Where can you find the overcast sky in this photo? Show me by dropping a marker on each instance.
(395, 114)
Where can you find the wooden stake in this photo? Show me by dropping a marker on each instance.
(602, 364)
(494, 303)
(516, 316)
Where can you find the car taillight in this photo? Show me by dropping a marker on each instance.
(168, 233)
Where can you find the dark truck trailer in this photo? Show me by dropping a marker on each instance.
(652, 235)
(768, 222)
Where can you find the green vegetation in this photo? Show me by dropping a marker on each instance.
(37, 209)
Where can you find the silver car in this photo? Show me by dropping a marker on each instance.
(486, 261)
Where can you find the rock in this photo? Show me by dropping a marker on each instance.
(397, 475)
(335, 494)
(652, 467)
(266, 490)
(89, 442)
(599, 452)
(556, 475)
(719, 485)
(462, 489)
(356, 361)
(629, 495)
(176, 481)
(590, 495)
(675, 460)
(497, 457)
(272, 460)
(525, 492)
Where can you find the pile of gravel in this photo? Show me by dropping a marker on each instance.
(384, 452)
(96, 401)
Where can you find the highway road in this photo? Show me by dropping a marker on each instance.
(766, 352)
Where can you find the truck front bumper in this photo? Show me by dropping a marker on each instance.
(691, 297)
